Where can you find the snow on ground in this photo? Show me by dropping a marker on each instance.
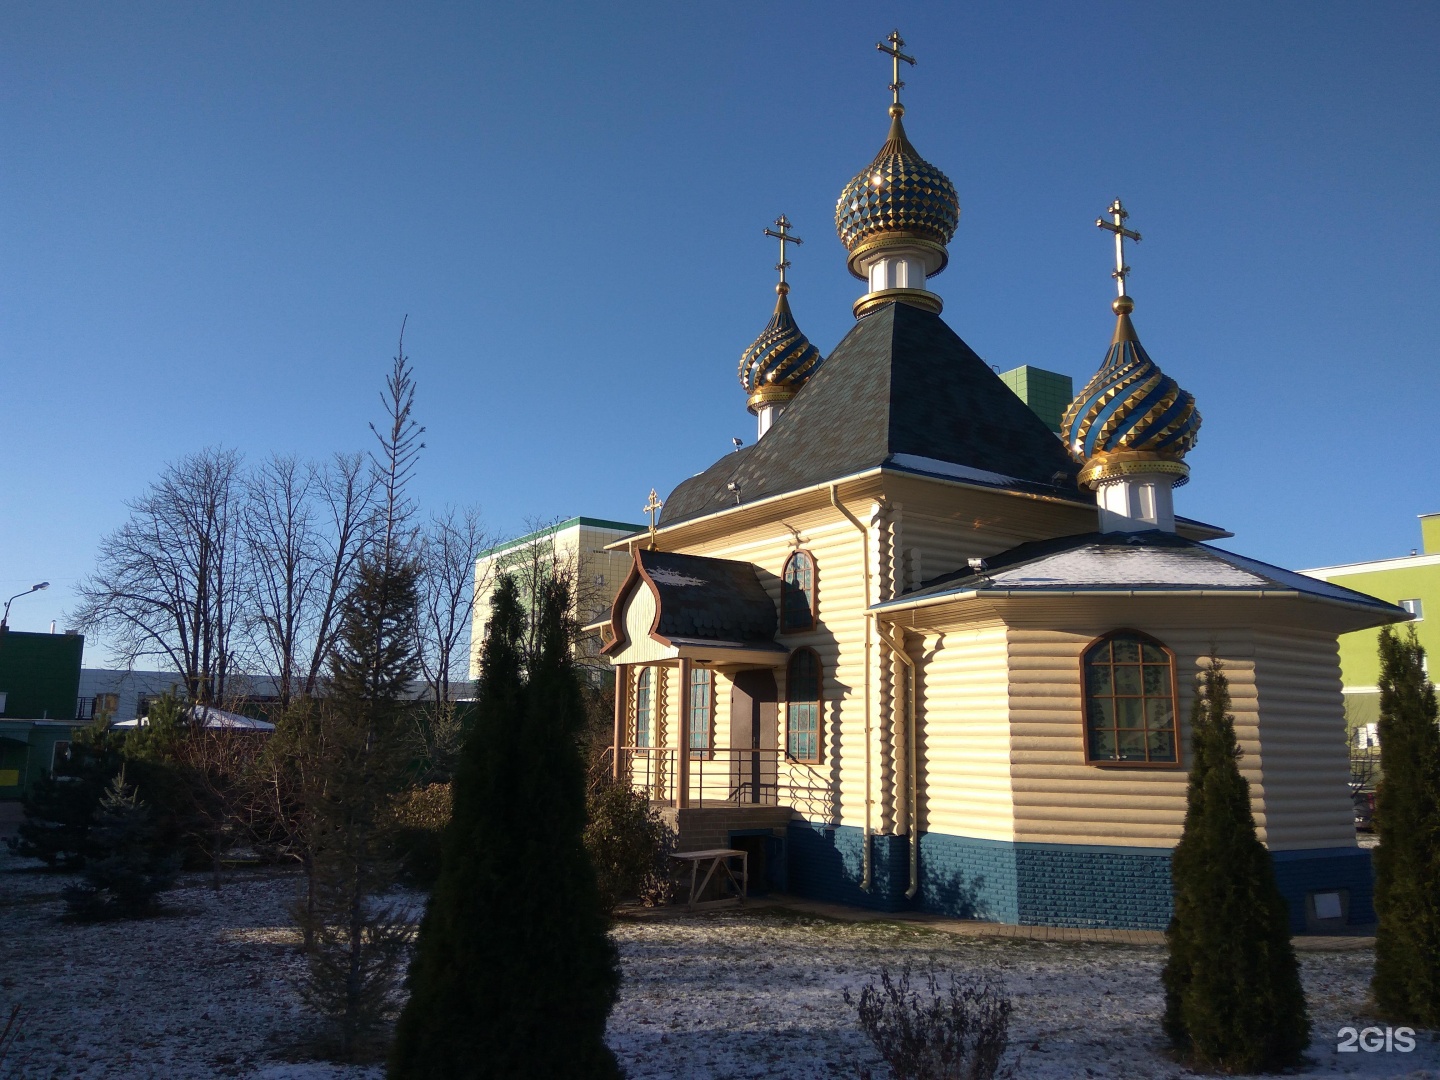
(208, 990)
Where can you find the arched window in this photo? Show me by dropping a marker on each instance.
(1130, 714)
(643, 708)
(802, 706)
(797, 593)
(702, 696)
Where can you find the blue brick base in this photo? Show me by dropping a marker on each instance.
(1120, 888)
(1299, 873)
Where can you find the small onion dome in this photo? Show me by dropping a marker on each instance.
(1131, 417)
(899, 197)
(773, 369)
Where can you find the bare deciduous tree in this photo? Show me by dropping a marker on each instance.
(167, 582)
(449, 579)
(448, 583)
(305, 527)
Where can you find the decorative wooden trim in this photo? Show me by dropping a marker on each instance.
(1108, 763)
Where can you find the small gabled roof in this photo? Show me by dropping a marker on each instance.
(1135, 563)
(699, 601)
(902, 391)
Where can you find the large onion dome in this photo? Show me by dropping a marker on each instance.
(1131, 417)
(780, 360)
(899, 197)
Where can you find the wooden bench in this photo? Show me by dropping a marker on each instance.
(718, 862)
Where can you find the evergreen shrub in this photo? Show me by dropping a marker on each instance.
(1406, 984)
(514, 972)
(1233, 1000)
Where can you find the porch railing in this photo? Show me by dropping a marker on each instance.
(744, 776)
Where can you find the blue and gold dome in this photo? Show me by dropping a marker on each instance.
(1131, 417)
(899, 197)
(780, 360)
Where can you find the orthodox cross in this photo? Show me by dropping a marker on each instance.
(893, 49)
(1117, 226)
(783, 224)
(652, 507)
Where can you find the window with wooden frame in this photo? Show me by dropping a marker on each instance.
(797, 593)
(802, 706)
(1130, 708)
(702, 701)
(644, 707)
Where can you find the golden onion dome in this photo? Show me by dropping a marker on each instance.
(899, 197)
(1131, 417)
(781, 359)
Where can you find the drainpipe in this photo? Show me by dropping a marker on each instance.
(865, 567)
(911, 738)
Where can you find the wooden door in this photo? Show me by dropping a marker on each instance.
(754, 727)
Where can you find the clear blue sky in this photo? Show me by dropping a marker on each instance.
(216, 215)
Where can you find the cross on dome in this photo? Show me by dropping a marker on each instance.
(893, 50)
(653, 506)
(785, 237)
(1116, 225)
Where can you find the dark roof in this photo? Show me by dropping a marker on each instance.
(1152, 561)
(901, 390)
(709, 599)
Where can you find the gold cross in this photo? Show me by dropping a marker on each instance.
(652, 507)
(783, 223)
(896, 44)
(1117, 226)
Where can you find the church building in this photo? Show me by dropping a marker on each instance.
(914, 651)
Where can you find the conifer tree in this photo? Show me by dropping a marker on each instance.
(1233, 999)
(514, 973)
(358, 941)
(124, 871)
(360, 762)
(1406, 983)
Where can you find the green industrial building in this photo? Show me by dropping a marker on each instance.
(1411, 581)
(39, 688)
(1048, 393)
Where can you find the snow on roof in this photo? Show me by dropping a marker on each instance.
(1134, 562)
(212, 718)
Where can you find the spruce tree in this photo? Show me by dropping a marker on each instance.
(1406, 983)
(125, 869)
(1233, 999)
(357, 940)
(514, 973)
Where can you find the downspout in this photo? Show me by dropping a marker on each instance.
(865, 569)
(911, 738)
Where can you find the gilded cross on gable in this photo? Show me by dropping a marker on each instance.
(652, 507)
(1117, 226)
(893, 49)
(785, 237)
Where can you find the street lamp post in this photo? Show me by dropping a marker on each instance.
(5, 620)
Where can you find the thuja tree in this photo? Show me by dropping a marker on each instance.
(1233, 999)
(514, 973)
(1406, 984)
